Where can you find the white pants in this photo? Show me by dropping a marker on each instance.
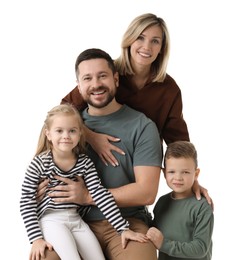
(70, 235)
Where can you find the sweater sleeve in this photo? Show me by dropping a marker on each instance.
(103, 198)
(200, 244)
(74, 98)
(175, 127)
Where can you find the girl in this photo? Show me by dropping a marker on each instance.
(60, 152)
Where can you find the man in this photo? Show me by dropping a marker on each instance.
(134, 181)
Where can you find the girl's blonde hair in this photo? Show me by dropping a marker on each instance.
(136, 27)
(44, 145)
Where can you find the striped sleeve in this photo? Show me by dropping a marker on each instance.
(103, 198)
(28, 203)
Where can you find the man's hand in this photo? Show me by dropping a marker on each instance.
(41, 191)
(73, 192)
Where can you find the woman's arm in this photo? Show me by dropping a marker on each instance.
(99, 142)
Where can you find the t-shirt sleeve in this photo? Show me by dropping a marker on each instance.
(148, 149)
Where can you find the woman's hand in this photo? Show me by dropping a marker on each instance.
(199, 190)
(102, 146)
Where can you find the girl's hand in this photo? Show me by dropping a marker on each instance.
(134, 236)
(38, 249)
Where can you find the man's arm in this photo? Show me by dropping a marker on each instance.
(141, 192)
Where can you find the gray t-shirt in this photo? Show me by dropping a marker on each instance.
(142, 146)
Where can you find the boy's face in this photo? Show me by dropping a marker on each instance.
(180, 174)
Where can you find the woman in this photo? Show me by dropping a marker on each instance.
(144, 84)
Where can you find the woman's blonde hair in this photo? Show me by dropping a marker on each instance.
(136, 27)
(44, 145)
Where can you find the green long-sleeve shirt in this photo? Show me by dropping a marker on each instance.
(187, 226)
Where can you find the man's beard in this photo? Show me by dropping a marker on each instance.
(104, 103)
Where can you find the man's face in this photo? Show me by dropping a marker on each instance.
(96, 82)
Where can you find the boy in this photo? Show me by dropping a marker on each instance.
(182, 226)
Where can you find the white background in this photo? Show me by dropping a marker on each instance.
(39, 43)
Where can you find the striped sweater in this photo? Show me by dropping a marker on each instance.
(43, 166)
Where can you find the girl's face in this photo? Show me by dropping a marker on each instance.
(64, 133)
(145, 49)
(180, 174)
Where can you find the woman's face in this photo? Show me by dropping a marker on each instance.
(145, 49)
